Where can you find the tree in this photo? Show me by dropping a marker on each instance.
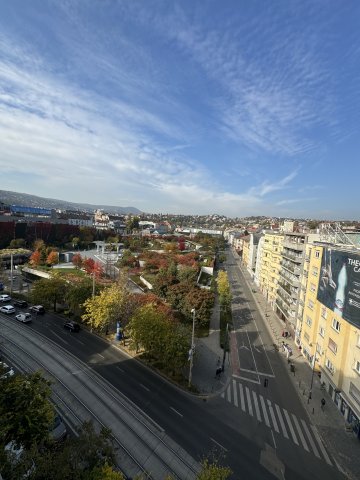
(213, 471)
(75, 242)
(108, 307)
(52, 258)
(77, 260)
(89, 264)
(25, 409)
(161, 338)
(49, 291)
(200, 299)
(17, 243)
(35, 258)
(105, 472)
(223, 284)
(77, 293)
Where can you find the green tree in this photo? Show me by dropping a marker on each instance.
(213, 471)
(17, 243)
(223, 284)
(25, 409)
(49, 291)
(108, 307)
(77, 294)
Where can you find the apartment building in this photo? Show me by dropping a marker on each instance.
(270, 266)
(293, 255)
(329, 331)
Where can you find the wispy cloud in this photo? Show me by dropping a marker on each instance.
(290, 201)
(266, 187)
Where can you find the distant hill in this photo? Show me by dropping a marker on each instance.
(26, 200)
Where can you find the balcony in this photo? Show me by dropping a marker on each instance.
(294, 245)
(291, 267)
(292, 256)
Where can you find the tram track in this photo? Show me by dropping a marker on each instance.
(140, 441)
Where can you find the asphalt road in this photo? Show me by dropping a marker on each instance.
(217, 425)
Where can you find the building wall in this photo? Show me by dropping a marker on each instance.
(331, 344)
(270, 265)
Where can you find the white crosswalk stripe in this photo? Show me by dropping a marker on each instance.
(266, 416)
(242, 399)
(228, 393)
(271, 410)
(323, 451)
(235, 394)
(311, 441)
(301, 435)
(249, 401)
(295, 440)
(256, 405)
(279, 419)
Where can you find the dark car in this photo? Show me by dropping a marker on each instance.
(72, 326)
(20, 303)
(37, 309)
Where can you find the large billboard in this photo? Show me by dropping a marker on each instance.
(339, 285)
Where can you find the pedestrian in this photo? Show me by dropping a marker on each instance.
(218, 361)
(323, 403)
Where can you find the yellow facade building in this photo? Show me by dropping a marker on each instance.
(272, 246)
(329, 329)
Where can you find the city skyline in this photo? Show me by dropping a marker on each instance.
(243, 108)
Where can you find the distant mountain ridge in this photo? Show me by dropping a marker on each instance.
(26, 200)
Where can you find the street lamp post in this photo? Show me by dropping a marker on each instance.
(192, 350)
(312, 375)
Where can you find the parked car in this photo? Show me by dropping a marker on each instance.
(57, 431)
(6, 371)
(7, 309)
(37, 309)
(23, 317)
(20, 303)
(72, 326)
(5, 298)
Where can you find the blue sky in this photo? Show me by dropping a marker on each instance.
(238, 107)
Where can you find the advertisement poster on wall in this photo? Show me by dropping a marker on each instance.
(339, 285)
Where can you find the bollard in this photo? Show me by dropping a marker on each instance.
(313, 410)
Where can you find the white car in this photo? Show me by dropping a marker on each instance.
(7, 371)
(7, 309)
(5, 298)
(23, 317)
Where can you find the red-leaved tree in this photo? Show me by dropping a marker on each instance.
(77, 260)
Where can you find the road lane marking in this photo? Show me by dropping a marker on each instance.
(312, 443)
(257, 382)
(242, 399)
(257, 409)
(290, 427)
(266, 416)
(102, 356)
(235, 393)
(145, 388)
(60, 338)
(177, 413)
(121, 370)
(301, 435)
(218, 444)
(249, 401)
(323, 451)
(270, 375)
(271, 410)
(281, 420)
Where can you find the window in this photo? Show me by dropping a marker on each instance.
(307, 337)
(323, 312)
(332, 346)
(358, 341)
(315, 271)
(329, 366)
(308, 321)
(322, 332)
(336, 325)
(357, 366)
(311, 304)
(312, 287)
(317, 254)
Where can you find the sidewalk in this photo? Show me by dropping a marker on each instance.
(208, 357)
(343, 445)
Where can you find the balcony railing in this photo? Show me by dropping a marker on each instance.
(293, 256)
